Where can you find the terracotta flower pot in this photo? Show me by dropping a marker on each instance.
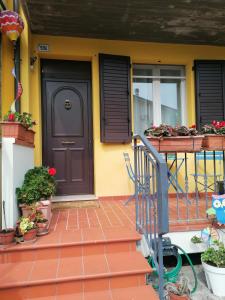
(26, 210)
(17, 131)
(177, 297)
(181, 144)
(7, 237)
(213, 142)
(46, 208)
(30, 235)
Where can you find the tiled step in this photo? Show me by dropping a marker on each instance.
(72, 244)
(75, 274)
(141, 292)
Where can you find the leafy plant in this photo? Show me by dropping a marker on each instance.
(196, 240)
(216, 127)
(25, 224)
(168, 131)
(24, 119)
(215, 255)
(39, 217)
(38, 183)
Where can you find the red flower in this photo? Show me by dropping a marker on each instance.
(11, 117)
(193, 126)
(52, 171)
(214, 122)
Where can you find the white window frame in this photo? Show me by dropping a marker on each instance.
(156, 88)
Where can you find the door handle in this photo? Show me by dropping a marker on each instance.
(68, 143)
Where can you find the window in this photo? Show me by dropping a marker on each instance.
(159, 96)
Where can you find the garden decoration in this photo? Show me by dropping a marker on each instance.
(11, 24)
(166, 138)
(218, 203)
(214, 135)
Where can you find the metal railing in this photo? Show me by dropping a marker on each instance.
(192, 179)
(151, 200)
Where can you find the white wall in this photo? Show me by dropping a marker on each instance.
(16, 160)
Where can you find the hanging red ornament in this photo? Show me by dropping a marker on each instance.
(11, 24)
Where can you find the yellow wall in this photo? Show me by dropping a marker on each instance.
(109, 169)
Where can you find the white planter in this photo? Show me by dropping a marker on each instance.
(215, 278)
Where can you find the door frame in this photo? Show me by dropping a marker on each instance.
(89, 121)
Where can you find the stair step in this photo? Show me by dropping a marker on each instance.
(72, 244)
(85, 268)
(141, 292)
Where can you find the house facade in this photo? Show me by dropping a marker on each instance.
(88, 95)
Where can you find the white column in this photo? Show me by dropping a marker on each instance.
(16, 160)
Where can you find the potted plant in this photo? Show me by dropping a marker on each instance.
(174, 139)
(214, 136)
(27, 228)
(6, 234)
(18, 126)
(213, 262)
(41, 222)
(178, 291)
(38, 186)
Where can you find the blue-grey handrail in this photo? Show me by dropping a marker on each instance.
(162, 186)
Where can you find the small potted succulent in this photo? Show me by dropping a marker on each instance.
(166, 138)
(18, 126)
(213, 262)
(27, 228)
(214, 135)
(41, 222)
(178, 291)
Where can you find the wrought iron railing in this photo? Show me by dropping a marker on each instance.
(151, 198)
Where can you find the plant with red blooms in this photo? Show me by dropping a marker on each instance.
(24, 119)
(167, 131)
(52, 171)
(216, 127)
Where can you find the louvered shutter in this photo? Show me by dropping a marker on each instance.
(115, 98)
(209, 91)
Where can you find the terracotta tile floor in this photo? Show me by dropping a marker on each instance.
(113, 213)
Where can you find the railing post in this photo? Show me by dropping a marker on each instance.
(136, 183)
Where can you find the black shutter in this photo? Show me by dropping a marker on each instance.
(209, 91)
(115, 98)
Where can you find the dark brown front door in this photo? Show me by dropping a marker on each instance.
(67, 120)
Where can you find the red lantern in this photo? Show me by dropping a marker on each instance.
(11, 24)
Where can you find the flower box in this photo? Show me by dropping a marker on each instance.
(177, 143)
(154, 141)
(17, 131)
(213, 142)
(181, 144)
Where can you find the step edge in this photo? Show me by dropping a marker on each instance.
(17, 284)
(61, 245)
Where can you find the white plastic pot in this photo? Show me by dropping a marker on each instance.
(215, 278)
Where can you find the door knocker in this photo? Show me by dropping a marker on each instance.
(68, 104)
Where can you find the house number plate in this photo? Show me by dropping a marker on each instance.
(68, 104)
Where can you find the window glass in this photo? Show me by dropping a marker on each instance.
(170, 99)
(143, 105)
(157, 99)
